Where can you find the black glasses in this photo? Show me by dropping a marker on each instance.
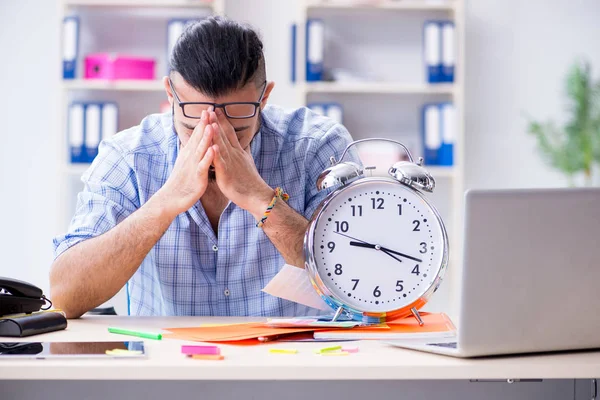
(236, 110)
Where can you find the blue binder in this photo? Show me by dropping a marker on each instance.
(448, 127)
(70, 46)
(92, 130)
(431, 133)
(76, 132)
(315, 37)
(448, 52)
(432, 51)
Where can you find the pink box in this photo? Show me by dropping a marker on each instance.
(116, 66)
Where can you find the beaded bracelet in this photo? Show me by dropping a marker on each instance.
(279, 194)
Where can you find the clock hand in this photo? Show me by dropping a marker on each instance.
(350, 237)
(376, 247)
(401, 254)
(384, 249)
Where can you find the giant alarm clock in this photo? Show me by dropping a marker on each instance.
(376, 248)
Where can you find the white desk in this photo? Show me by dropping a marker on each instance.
(375, 362)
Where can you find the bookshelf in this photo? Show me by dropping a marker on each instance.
(135, 27)
(404, 5)
(150, 18)
(385, 37)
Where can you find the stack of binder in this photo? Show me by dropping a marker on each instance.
(438, 126)
(331, 110)
(89, 123)
(438, 51)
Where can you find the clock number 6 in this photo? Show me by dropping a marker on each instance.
(376, 292)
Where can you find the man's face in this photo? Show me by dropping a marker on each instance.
(245, 129)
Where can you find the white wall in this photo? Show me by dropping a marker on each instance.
(29, 72)
(517, 55)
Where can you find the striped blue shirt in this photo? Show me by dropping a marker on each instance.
(191, 270)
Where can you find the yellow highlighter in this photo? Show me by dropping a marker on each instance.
(283, 351)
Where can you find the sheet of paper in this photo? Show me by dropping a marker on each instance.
(293, 284)
(303, 322)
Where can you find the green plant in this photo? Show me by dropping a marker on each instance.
(575, 147)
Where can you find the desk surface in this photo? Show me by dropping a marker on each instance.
(374, 361)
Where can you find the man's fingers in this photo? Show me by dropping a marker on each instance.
(227, 128)
(198, 131)
(221, 141)
(218, 160)
(205, 142)
(204, 164)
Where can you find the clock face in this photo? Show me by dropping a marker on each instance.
(378, 246)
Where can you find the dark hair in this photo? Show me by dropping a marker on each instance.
(217, 56)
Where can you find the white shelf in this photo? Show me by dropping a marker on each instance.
(377, 87)
(141, 3)
(125, 85)
(400, 5)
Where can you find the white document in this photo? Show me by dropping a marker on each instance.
(293, 284)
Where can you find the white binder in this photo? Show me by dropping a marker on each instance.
(110, 118)
(75, 134)
(432, 51)
(70, 46)
(315, 48)
(92, 131)
(448, 51)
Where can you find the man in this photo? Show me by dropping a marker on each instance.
(171, 206)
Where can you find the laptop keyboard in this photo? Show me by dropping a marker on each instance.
(451, 345)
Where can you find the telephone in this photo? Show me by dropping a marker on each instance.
(18, 297)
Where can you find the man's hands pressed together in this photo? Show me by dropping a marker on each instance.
(237, 176)
(189, 178)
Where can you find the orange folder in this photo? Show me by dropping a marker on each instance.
(434, 325)
(230, 333)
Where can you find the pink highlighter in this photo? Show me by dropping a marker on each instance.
(112, 66)
(195, 350)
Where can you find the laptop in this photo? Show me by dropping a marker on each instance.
(531, 274)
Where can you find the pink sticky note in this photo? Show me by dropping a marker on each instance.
(350, 349)
(191, 349)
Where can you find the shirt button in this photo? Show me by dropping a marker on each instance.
(215, 248)
(226, 292)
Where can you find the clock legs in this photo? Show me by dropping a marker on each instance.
(337, 314)
(416, 314)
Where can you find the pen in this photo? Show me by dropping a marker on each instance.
(145, 335)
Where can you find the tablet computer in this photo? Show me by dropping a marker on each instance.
(43, 350)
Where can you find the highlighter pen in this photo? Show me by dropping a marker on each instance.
(145, 335)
